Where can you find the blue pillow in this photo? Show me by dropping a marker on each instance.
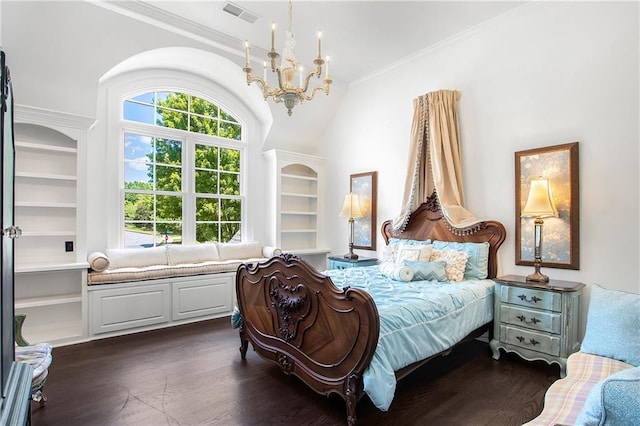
(478, 264)
(613, 324)
(428, 271)
(396, 241)
(396, 272)
(613, 401)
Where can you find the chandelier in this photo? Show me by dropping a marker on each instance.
(287, 91)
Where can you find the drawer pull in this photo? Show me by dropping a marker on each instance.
(531, 341)
(533, 320)
(533, 299)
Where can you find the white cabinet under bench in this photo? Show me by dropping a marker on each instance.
(144, 305)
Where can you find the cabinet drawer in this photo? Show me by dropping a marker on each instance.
(531, 340)
(541, 299)
(531, 318)
(197, 298)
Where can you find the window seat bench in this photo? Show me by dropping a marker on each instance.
(131, 290)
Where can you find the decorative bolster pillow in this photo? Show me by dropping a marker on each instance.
(396, 272)
(98, 261)
(269, 251)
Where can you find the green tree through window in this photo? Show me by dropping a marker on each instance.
(155, 193)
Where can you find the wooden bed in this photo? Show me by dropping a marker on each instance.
(296, 317)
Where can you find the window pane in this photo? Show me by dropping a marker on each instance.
(206, 157)
(227, 117)
(205, 125)
(231, 210)
(202, 107)
(138, 207)
(168, 151)
(173, 100)
(138, 172)
(206, 182)
(136, 112)
(229, 184)
(206, 232)
(168, 207)
(228, 231)
(138, 235)
(168, 178)
(229, 159)
(147, 98)
(169, 233)
(172, 119)
(230, 131)
(207, 209)
(137, 147)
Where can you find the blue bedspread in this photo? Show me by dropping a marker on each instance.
(417, 319)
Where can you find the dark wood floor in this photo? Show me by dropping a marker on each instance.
(193, 375)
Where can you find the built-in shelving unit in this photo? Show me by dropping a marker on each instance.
(50, 254)
(296, 210)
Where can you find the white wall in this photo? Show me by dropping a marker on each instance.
(544, 74)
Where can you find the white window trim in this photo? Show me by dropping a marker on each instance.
(132, 83)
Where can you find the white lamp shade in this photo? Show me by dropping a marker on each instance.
(539, 203)
(351, 206)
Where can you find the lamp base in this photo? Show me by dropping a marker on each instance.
(351, 255)
(537, 276)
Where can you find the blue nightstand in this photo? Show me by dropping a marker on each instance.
(339, 262)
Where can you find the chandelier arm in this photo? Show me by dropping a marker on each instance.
(324, 87)
(308, 78)
(266, 92)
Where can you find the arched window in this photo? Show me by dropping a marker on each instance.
(182, 170)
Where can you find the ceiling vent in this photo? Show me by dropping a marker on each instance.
(240, 12)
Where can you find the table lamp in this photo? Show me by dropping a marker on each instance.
(539, 205)
(351, 209)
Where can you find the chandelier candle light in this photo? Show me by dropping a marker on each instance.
(539, 205)
(288, 91)
(351, 209)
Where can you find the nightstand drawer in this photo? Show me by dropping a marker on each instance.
(531, 318)
(529, 339)
(540, 299)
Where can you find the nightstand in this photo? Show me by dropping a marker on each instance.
(538, 321)
(339, 262)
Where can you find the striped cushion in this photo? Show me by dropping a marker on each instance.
(565, 397)
(428, 271)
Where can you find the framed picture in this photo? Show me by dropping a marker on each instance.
(560, 235)
(364, 228)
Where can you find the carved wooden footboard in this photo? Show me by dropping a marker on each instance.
(297, 318)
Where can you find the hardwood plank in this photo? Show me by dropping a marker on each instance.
(193, 375)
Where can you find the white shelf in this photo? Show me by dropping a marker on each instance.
(48, 234)
(300, 213)
(35, 302)
(49, 267)
(293, 194)
(47, 176)
(308, 251)
(45, 147)
(300, 177)
(298, 231)
(57, 333)
(38, 204)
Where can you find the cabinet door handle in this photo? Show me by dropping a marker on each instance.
(531, 341)
(533, 299)
(533, 320)
(12, 232)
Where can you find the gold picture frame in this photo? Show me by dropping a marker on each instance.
(561, 235)
(365, 185)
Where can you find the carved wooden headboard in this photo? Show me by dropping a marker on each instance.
(427, 223)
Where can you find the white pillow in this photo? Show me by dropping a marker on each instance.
(455, 263)
(228, 251)
(178, 254)
(413, 253)
(137, 258)
(98, 261)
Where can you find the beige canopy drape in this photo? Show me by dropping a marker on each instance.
(435, 161)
